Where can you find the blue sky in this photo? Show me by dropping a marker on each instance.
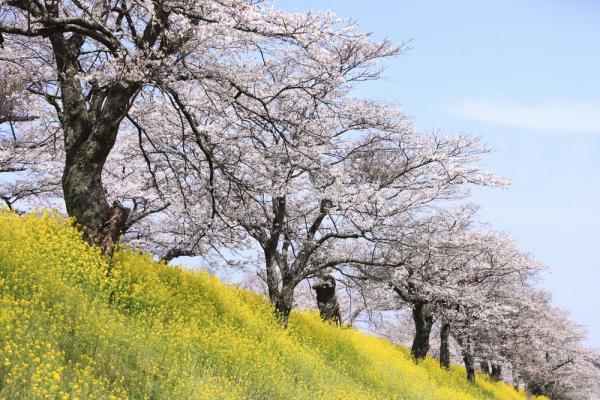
(525, 76)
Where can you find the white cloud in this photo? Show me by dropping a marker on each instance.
(563, 117)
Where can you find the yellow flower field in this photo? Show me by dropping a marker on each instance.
(151, 331)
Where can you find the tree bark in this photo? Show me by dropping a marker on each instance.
(423, 319)
(496, 373)
(83, 190)
(469, 366)
(492, 369)
(445, 345)
(327, 301)
(468, 359)
(284, 303)
(528, 392)
(89, 138)
(485, 367)
(515, 380)
(90, 122)
(273, 277)
(175, 253)
(113, 227)
(467, 355)
(281, 292)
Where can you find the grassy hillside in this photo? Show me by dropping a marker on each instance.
(67, 331)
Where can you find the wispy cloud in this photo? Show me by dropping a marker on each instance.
(556, 116)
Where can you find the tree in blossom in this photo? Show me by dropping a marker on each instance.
(88, 62)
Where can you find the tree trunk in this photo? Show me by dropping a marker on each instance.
(423, 319)
(327, 301)
(445, 345)
(113, 227)
(89, 140)
(90, 125)
(284, 304)
(85, 197)
(273, 277)
(515, 380)
(468, 359)
(485, 367)
(496, 372)
(469, 366)
(280, 286)
(82, 185)
(467, 354)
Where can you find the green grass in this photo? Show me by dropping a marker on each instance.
(151, 331)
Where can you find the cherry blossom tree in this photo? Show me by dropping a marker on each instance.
(88, 62)
(446, 267)
(421, 259)
(476, 321)
(306, 177)
(261, 135)
(545, 348)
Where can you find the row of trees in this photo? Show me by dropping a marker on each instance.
(224, 128)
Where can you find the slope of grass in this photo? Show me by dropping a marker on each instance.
(69, 329)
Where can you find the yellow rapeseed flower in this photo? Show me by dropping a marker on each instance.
(151, 331)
